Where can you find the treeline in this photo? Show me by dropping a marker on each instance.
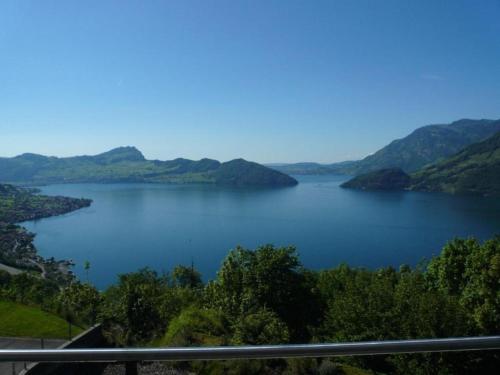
(267, 297)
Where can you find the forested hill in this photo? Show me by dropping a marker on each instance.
(426, 145)
(127, 164)
(474, 170)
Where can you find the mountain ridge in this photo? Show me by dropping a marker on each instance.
(423, 146)
(473, 170)
(128, 164)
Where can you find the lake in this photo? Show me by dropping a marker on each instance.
(130, 226)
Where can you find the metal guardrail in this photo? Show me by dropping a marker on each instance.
(255, 352)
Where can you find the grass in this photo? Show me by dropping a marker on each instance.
(18, 320)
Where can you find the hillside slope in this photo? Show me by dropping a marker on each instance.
(127, 164)
(428, 145)
(424, 146)
(26, 321)
(474, 170)
(384, 179)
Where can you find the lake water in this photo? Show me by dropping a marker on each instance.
(130, 226)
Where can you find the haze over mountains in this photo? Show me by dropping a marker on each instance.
(127, 164)
(422, 147)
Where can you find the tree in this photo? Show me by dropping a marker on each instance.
(270, 278)
(186, 277)
(196, 326)
(134, 305)
(86, 267)
(260, 328)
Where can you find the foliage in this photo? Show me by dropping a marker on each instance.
(196, 327)
(134, 304)
(79, 303)
(270, 278)
(259, 328)
(470, 271)
(265, 296)
(186, 277)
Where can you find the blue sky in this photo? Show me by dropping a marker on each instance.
(270, 81)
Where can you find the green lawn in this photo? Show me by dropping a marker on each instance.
(18, 320)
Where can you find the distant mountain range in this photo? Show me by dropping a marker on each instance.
(424, 146)
(474, 170)
(127, 164)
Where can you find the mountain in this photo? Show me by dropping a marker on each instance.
(424, 146)
(383, 179)
(127, 164)
(240, 172)
(428, 145)
(474, 170)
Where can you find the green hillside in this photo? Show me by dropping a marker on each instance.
(127, 164)
(18, 320)
(474, 170)
(424, 146)
(240, 172)
(427, 145)
(384, 179)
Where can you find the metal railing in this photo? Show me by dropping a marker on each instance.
(252, 352)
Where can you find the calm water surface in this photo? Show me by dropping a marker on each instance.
(130, 226)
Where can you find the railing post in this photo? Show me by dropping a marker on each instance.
(130, 368)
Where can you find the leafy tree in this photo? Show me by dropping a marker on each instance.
(81, 302)
(186, 277)
(195, 327)
(471, 271)
(134, 304)
(86, 267)
(270, 278)
(260, 328)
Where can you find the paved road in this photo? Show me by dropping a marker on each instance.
(23, 343)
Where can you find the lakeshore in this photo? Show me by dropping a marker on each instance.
(17, 251)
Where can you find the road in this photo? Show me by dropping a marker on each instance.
(23, 343)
